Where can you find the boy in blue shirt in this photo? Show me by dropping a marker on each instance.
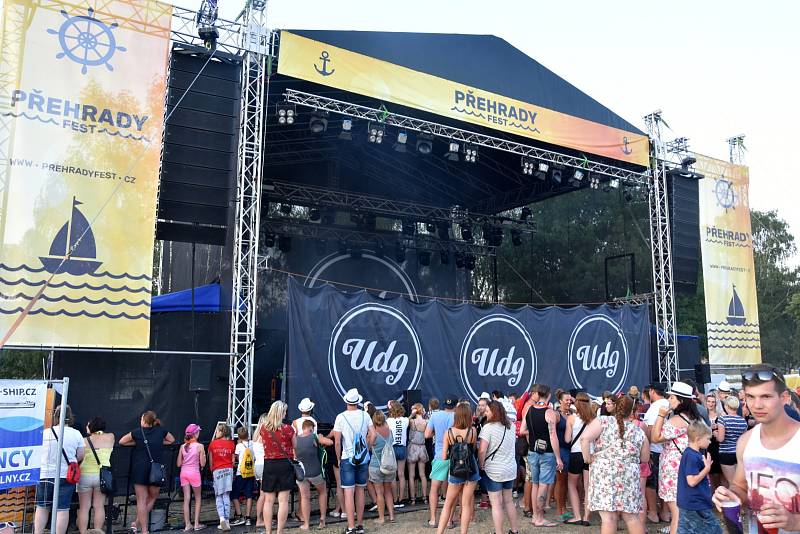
(694, 489)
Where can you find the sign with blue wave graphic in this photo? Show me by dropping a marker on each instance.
(22, 407)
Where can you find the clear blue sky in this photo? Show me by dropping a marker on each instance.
(715, 68)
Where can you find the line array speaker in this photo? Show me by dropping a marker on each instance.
(684, 202)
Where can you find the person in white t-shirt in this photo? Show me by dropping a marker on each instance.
(657, 401)
(398, 426)
(73, 448)
(353, 477)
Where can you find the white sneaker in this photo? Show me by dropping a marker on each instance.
(224, 525)
(373, 509)
(237, 522)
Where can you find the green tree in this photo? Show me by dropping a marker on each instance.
(21, 364)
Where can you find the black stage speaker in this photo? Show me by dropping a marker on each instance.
(200, 375)
(702, 374)
(199, 157)
(684, 202)
(410, 398)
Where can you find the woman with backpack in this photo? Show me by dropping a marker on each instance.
(382, 466)
(497, 456)
(459, 448)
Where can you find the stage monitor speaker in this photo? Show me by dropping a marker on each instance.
(410, 398)
(684, 202)
(702, 374)
(199, 157)
(200, 375)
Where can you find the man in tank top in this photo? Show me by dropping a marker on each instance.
(767, 479)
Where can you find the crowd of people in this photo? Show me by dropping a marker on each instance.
(661, 454)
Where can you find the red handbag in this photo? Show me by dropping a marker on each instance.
(73, 468)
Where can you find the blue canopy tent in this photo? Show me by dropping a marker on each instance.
(206, 299)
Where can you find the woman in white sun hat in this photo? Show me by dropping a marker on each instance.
(670, 429)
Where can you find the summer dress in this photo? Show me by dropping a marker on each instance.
(614, 472)
(676, 442)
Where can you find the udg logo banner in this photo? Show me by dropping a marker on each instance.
(497, 354)
(375, 348)
(598, 355)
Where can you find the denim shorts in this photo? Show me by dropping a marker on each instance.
(493, 486)
(399, 452)
(476, 476)
(542, 467)
(704, 521)
(44, 493)
(353, 475)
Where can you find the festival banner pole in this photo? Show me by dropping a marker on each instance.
(60, 443)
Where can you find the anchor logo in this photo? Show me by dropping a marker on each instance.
(325, 58)
(625, 148)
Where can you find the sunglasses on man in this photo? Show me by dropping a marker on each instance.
(763, 375)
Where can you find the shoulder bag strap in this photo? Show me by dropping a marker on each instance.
(91, 446)
(146, 446)
(63, 452)
(499, 445)
(578, 435)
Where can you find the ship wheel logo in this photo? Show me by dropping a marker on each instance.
(87, 41)
(726, 197)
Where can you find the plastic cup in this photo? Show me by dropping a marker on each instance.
(730, 513)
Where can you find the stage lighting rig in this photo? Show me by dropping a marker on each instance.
(470, 153)
(430, 228)
(577, 177)
(206, 23)
(409, 228)
(684, 171)
(375, 133)
(402, 140)
(466, 232)
(314, 215)
(525, 213)
(285, 209)
(452, 151)
(541, 172)
(555, 176)
(528, 166)
(347, 130)
(318, 122)
(286, 113)
(269, 240)
(424, 143)
(594, 181)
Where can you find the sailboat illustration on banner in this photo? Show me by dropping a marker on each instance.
(736, 315)
(76, 236)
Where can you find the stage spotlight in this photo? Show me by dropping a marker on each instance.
(555, 175)
(402, 139)
(470, 153)
(577, 177)
(430, 227)
(444, 257)
(318, 122)
(424, 143)
(541, 172)
(356, 218)
(286, 209)
(526, 213)
(614, 184)
(459, 260)
(528, 166)
(285, 243)
(286, 113)
(424, 257)
(347, 130)
(594, 181)
(375, 132)
(314, 215)
(399, 252)
(206, 23)
(409, 228)
(516, 237)
(452, 152)
(466, 232)
(269, 240)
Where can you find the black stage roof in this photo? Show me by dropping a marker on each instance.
(494, 183)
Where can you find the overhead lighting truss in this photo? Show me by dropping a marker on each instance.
(451, 134)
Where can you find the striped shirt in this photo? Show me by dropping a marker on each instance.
(735, 426)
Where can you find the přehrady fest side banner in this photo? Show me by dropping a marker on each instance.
(728, 274)
(82, 113)
(22, 406)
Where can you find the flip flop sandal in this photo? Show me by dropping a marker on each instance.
(575, 523)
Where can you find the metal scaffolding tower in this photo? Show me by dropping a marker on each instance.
(661, 249)
(248, 210)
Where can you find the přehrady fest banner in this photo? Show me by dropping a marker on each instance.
(22, 407)
(728, 274)
(339, 340)
(82, 113)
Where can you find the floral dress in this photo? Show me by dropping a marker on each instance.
(614, 472)
(676, 442)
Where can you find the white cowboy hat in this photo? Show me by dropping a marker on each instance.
(485, 395)
(353, 396)
(305, 405)
(724, 386)
(681, 389)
